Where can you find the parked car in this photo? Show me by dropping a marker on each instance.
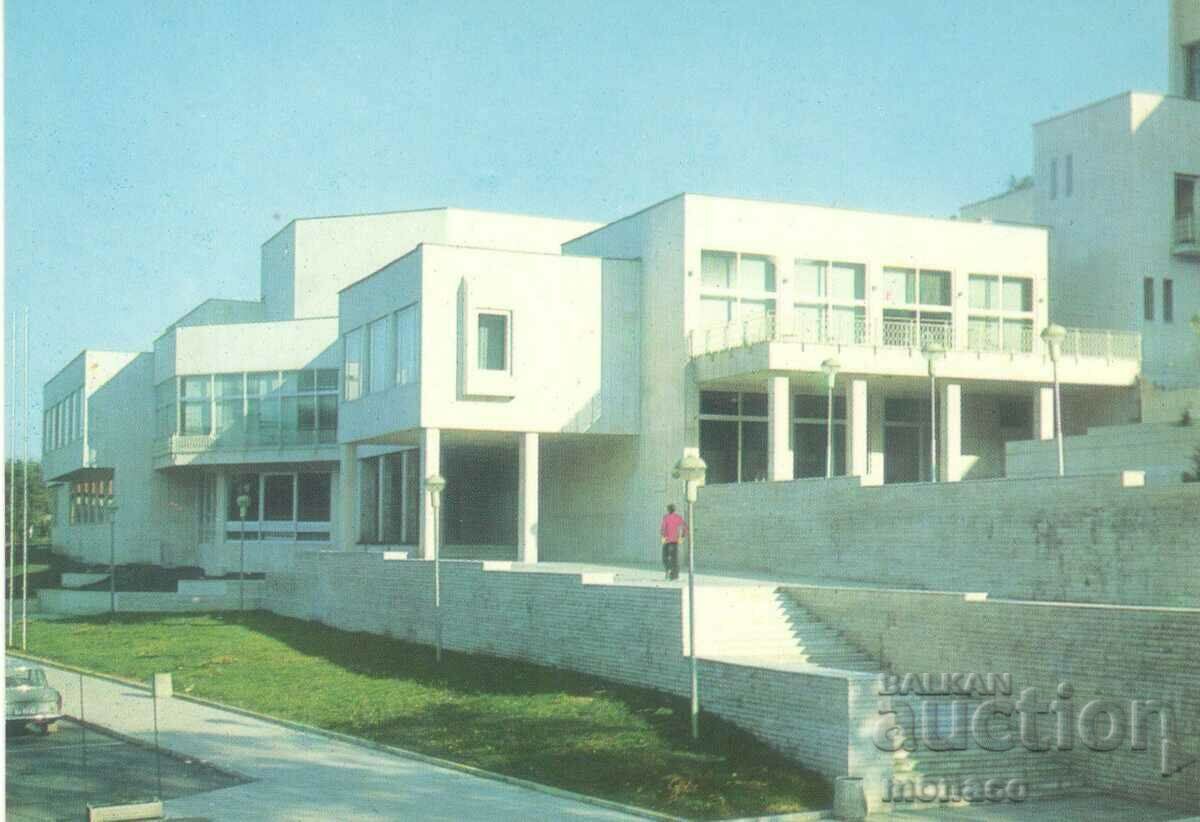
(28, 698)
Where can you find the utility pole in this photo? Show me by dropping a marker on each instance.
(25, 495)
(10, 451)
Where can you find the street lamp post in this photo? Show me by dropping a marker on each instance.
(691, 469)
(933, 352)
(1053, 335)
(435, 485)
(243, 504)
(112, 555)
(831, 368)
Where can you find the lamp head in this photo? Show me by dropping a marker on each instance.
(831, 367)
(691, 468)
(933, 351)
(435, 484)
(1053, 336)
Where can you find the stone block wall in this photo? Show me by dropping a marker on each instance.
(1106, 652)
(1075, 539)
(628, 633)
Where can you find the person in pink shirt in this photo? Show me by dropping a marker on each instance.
(673, 529)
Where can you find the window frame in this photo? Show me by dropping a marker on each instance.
(735, 295)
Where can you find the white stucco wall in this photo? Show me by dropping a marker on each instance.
(266, 346)
(574, 343)
(1114, 229)
(306, 265)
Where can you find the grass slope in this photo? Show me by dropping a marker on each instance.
(551, 726)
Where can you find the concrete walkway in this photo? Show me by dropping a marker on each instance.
(300, 775)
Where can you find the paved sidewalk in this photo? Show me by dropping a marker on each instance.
(304, 776)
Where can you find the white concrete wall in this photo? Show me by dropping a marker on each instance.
(90, 371)
(574, 343)
(268, 346)
(99, 602)
(117, 415)
(1114, 229)
(306, 265)
(667, 394)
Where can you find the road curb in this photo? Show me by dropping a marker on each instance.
(470, 770)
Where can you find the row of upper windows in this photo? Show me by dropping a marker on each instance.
(63, 422)
(257, 406)
(846, 282)
(382, 353)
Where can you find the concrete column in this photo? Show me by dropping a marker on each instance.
(1043, 413)
(527, 497)
(219, 526)
(874, 474)
(857, 437)
(431, 463)
(347, 494)
(950, 432)
(780, 465)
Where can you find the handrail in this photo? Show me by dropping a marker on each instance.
(914, 334)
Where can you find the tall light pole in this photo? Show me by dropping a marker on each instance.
(435, 485)
(831, 368)
(1053, 335)
(243, 504)
(112, 553)
(11, 453)
(933, 352)
(691, 469)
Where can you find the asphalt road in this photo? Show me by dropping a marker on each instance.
(55, 776)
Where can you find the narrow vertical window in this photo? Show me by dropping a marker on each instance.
(1054, 178)
(1168, 301)
(493, 342)
(1068, 175)
(1148, 297)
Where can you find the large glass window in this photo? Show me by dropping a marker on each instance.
(407, 345)
(925, 293)
(1001, 317)
(230, 403)
(832, 301)
(279, 497)
(313, 497)
(1192, 79)
(736, 287)
(238, 485)
(493, 342)
(195, 412)
(733, 436)
(378, 360)
(353, 362)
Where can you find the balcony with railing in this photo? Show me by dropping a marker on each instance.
(1184, 240)
(1010, 342)
(238, 444)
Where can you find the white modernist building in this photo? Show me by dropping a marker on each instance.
(1118, 184)
(554, 371)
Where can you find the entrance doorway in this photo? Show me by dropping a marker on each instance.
(906, 441)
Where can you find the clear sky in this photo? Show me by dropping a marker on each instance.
(151, 147)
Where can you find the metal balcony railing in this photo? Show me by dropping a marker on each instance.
(237, 438)
(913, 334)
(1184, 232)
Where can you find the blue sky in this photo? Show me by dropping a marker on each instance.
(151, 147)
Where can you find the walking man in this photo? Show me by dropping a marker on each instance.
(673, 529)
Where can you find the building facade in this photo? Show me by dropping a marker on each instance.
(1118, 184)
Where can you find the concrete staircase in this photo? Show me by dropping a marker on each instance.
(763, 626)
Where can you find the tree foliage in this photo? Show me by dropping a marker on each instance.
(39, 500)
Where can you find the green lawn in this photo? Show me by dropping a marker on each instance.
(554, 727)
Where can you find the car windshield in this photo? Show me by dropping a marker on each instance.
(24, 676)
